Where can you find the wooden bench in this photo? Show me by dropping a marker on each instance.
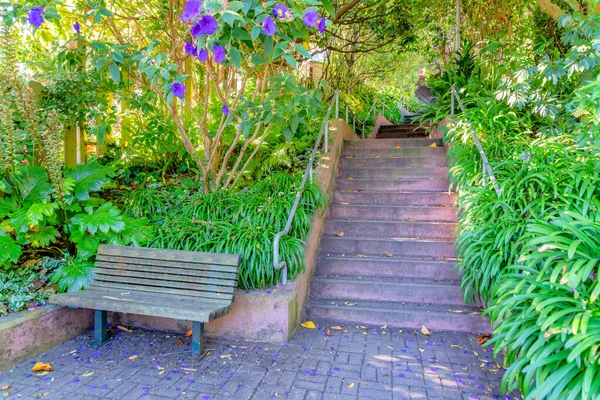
(183, 285)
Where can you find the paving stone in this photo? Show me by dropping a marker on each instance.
(347, 365)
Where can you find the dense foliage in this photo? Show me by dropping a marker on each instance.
(532, 253)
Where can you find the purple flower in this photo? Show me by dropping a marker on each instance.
(206, 26)
(191, 11)
(280, 10)
(427, 16)
(35, 16)
(412, 26)
(225, 109)
(268, 26)
(178, 89)
(310, 18)
(190, 49)
(202, 55)
(77, 28)
(219, 53)
(322, 25)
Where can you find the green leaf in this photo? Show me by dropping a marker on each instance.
(117, 56)
(329, 8)
(235, 57)
(255, 32)
(33, 183)
(73, 276)
(105, 218)
(37, 211)
(90, 177)
(42, 237)
(302, 50)
(10, 251)
(268, 45)
(291, 60)
(115, 73)
(241, 34)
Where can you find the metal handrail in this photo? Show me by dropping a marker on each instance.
(307, 174)
(384, 107)
(486, 168)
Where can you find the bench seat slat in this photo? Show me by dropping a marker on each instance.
(211, 290)
(164, 276)
(197, 268)
(170, 255)
(144, 303)
(98, 285)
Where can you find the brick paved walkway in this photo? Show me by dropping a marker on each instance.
(359, 363)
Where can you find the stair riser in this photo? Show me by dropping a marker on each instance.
(394, 152)
(444, 214)
(408, 162)
(391, 229)
(383, 135)
(361, 291)
(402, 133)
(402, 126)
(337, 245)
(423, 184)
(393, 173)
(406, 198)
(391, 143)
(404, 268)
(400, 319)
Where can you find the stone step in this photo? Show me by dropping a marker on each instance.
(391, 229)
(395, 152)
(371, 288)
(400, 198)
(401, 135)
(392, 143)
(392, 162)
(391, 213)
(400, 126)
(409, 267)
(397, 246)
(398, 315)
(393, 173)
(404, 184)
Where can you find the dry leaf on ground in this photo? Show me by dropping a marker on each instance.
(425, 331)
(122, 328)
(328, 333)
(337, 328)
(5, 387)
(483, 339)
(308, 325)
(89, 373)
(350, 385)
(398, 147)
(361, 256)
(433, 145)
(344, 203)
(188, 333)
(133, 357)
(340, 234)
(40, 366)
(179, 342)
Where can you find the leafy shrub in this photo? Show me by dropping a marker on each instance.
(532, 253)
(245, 222)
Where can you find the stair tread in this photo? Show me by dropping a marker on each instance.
(384, 222)
(407, 239)
(387, 281)
(391, 306)
(394, 259)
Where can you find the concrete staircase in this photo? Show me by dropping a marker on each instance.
(387, 251)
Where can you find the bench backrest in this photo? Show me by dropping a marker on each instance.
(180, 273)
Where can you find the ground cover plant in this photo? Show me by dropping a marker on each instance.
(532, 253)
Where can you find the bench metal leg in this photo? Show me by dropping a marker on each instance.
(100, 336)
(197, 337)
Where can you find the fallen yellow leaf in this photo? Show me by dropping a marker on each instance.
(308, 325)
(456, 346)
(188, 333)
(337, 328)
(340, 234)
(162, 371)
(398, 147)
(43, 373)
(350, 385)
(40, 366)
(383, 327)
(122, 328)
(411, 220)
(425, 331)
(5, 387)
(433, 145)
(89, 373)
(180, 342)
(328, 333)
(389, 255)
(361, 256)
(348, 156)
(133, 357)
(350, 178)
(344, 203)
